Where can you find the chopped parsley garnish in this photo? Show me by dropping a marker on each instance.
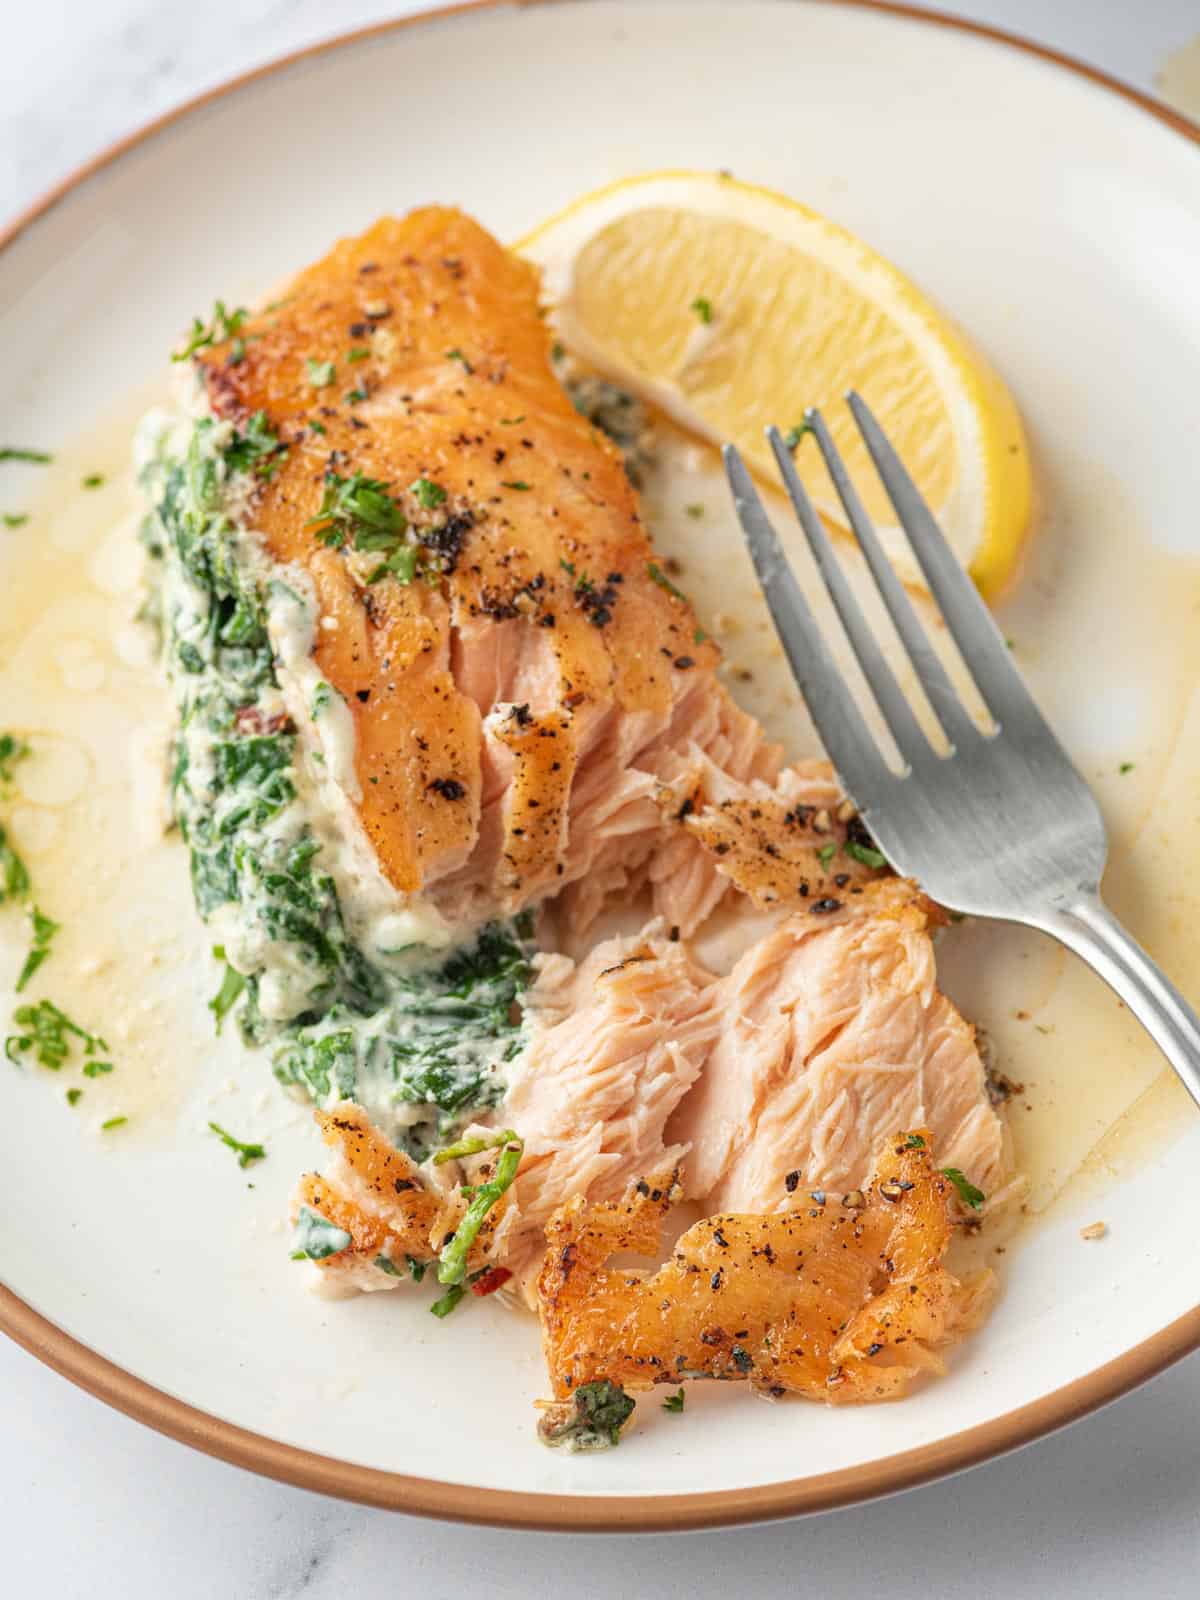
(865, 854)
(246, 1153)
(1126, 766)
(113, 1122)
(43, 932)
(967, 1192)
(14, 874)
(316, 427)
(232, 985)
(674, 1402)
(220, 326)
(256, 447)
(359, 353)
(94, 480)
(695, 511)
(316, 1239)
(320, 374)
(12, 750)
(96, 1069)
(322, 697)
(354, 397)
(360, 509)
(511, 422)
(429, 494)
(386, 1264)
(516, 484)
(452, 1263)
(401, 565)
(794, 435)
(591, 1420)
(663, 582)
(446, 1304)
(15, 519)
(702, 308)
(826, 854)
(10, 452)
(914, 1142)
(416, 1269)
(47, 1032)
(74, 1096)
(556, 351)
(457, 355)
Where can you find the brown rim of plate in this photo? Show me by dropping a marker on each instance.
(584, 1513)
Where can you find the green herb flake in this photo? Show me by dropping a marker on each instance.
(556, 351)
(113, 1122)
(428, 494)
(316, 427)
(256, 447)
(674, 1402)
(656, 573)
(320, 374)
(10, 452)
(360, 510)
(14, 874)
(316, 1239)
(354, 397)
(446, 1304)
(1126, 766)
(94, 480)
(794, 435)
(220, 326)
(914, 1142)
(12, 750)
(967, 1192)
(591, 1420)
(74, 1096)
(416, 1269)
(826, 854)
(386, 1264)
(511, 422)
(452, 1263)
(703, 309)
(457, 355)
(47, 1031)
(358, 353)
(695, 511)
(15, 519)
(246, 1153)
(517, 484)
(43, 931)
(865, 854)
(232, 985)
(96, 1069)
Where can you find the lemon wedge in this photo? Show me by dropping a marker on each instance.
(730, 307)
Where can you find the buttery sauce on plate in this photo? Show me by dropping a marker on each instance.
(1105, 626)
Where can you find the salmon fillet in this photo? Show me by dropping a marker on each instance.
(514, 701)
(833, 1034)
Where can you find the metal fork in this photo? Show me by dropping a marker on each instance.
(1002, 825)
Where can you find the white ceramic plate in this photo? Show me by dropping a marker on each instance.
(1060, 222)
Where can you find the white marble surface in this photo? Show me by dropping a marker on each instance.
(94, 1505)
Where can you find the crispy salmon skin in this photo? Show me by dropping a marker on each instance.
(840, 1298)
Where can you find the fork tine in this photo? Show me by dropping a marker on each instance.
(931, 674)
(971, 624)
(838, 720)
(891, 700)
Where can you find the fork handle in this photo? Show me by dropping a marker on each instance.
(1089, 929)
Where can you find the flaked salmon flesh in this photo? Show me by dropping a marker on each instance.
(537, 718)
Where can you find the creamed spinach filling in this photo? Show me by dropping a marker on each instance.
(421, 1046)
